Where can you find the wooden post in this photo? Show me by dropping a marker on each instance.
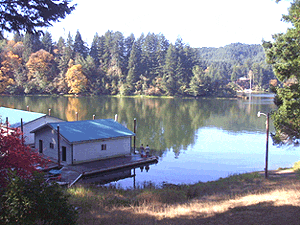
(49, 112)
(133, 178)
(22, 132)
(93, 117)
(267, 145)
(134, 131)
(7, 125)
(116, 117)
(76, 115)
(28, 108)
(58, 146)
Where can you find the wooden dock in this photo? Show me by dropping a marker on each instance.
(72, 173)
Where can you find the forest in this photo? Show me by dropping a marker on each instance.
(32, 63)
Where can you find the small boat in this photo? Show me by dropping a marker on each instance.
(247, 91)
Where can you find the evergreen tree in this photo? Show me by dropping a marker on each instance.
(162, 48)
(94, 51)
(169, 79)
(234, 74)
(106, 54)
(32, 44)
(47, 42)
(17, 37)
(79, 45)
(62, 59)
(139, 45)
(200, 83)
(28, 46)
(28, 16)
(283, 53)
(128, 44)
(149, 58)
(133, 64)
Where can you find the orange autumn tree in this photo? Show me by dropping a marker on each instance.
(39, 69)
(5, 82)
(11, 64)
(76, 79)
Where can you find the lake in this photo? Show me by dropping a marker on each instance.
(195, 139)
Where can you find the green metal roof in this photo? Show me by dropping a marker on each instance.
(85, 130)
(15, 115)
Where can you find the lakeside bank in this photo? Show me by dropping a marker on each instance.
(237, 199)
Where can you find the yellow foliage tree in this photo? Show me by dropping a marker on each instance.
(39, 64)
(4, 82)
(10, 63)
(76, 80)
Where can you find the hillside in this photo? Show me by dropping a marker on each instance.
(236, 60)
(236, 53)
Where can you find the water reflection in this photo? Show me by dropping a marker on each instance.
(164, 124)
(195, 139)
(117, 175)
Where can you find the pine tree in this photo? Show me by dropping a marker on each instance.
(283, 53)
(28, 46)
(169, 78)
(79, 45)
(47, 43)
(94, 51)
(133, 64)
(128, 45)
(149, 58)
(17, 37)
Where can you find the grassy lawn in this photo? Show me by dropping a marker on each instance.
(237, 199)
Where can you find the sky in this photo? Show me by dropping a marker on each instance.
(199, 23)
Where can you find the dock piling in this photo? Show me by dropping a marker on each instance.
(134, 131)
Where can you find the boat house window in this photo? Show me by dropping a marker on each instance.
(52, 145)
(103, 147)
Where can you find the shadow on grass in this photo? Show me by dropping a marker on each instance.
(261, 213)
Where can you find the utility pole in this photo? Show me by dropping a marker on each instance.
(267, 140)
(267, 145)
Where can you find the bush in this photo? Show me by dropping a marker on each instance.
(296, 166)
(33, 201)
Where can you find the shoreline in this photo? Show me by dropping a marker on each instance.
(237, 199)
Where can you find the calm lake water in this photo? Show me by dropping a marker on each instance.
(195, 139)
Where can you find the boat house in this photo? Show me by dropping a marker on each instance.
(83, 141)
(30, 120)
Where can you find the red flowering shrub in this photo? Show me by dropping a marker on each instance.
(16, 156)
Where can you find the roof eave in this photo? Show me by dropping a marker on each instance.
(100, 139)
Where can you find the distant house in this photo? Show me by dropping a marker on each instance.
(83, 141)
(31, 121)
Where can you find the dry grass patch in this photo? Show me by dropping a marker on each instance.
(238, 199)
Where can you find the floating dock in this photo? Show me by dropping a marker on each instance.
(72, 173)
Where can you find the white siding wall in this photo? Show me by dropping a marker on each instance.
(92, 150)
(48, 136)
(29, 137)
